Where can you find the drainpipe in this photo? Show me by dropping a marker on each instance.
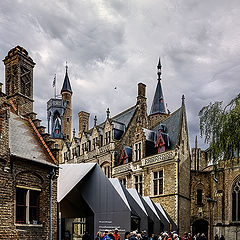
(51, 176)
(178, 210)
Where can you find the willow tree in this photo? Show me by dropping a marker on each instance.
(220, 127)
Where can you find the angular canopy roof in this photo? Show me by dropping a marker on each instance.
(117, 185)
(137, 198)
(150, 204)
(77, 173)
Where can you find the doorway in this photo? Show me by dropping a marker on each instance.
(200, 226)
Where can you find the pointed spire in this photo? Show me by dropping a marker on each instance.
(74, 132)
(95, 121)
(108, 113)
(66, 84)
(196, 142)
(159, 67)
(158, 105)
(183, 99)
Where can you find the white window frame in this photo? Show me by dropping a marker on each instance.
(27, 203)
(158, 178)
(138, 183)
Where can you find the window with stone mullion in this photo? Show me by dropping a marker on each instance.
(138, 184)
(138, 151)
(158, 183)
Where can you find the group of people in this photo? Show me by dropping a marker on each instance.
(134, 235)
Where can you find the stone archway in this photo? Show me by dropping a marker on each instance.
(200, 226)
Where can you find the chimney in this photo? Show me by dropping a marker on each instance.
(83, 118)
(141, 98)
(141, 90)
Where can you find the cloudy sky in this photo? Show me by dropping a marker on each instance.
(112, 45)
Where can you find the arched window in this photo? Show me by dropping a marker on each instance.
(236, 201)
(57, 127)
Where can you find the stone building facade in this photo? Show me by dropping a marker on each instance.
(215, 196)
(28, 166)
(149, 152)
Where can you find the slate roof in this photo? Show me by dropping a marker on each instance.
(66, 84)
(24, 143)
(126, 116)
(158, 105)
(173, 127)
(122, 118)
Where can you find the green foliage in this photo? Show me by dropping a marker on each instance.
(221, 129)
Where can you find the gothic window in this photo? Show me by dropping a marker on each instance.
(138, 152)
(78, 150)
(85, 147)
(199, 196)
(138, 183)
(158, 183)
(95, 142)
(107, 137)
(236, 201)
(27, 206)
(106, 170)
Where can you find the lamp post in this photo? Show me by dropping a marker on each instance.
(211, 202)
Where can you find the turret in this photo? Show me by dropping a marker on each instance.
(67, 97)
(158, 111)
(19, 79)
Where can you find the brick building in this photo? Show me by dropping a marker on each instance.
(28, 167)
(215, 196)
(149, 152)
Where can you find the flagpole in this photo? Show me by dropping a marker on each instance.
(55, 85)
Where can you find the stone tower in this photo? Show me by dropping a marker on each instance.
(67, 117)
(19, 79)
(55, 112)
(158, 111)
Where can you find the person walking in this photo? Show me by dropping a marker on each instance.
(98, 237)
(127, 235)
(116, 234)
(222, 238)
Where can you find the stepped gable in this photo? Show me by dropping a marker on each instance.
(24, 141)
(172, 124)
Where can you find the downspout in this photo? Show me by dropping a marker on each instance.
(51, 176)
(178, 211)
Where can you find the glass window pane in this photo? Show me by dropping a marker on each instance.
(234, 206)
(155, 187)
(161, 186)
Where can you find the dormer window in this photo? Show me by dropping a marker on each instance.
(107, 137)
(85, 147)
(95, 142)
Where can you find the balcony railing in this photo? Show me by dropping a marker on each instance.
(158, 158)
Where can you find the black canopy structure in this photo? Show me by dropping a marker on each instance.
(84, 192)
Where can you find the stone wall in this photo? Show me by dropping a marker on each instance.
(216, 207)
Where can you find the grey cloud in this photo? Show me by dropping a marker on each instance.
(112, 44)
